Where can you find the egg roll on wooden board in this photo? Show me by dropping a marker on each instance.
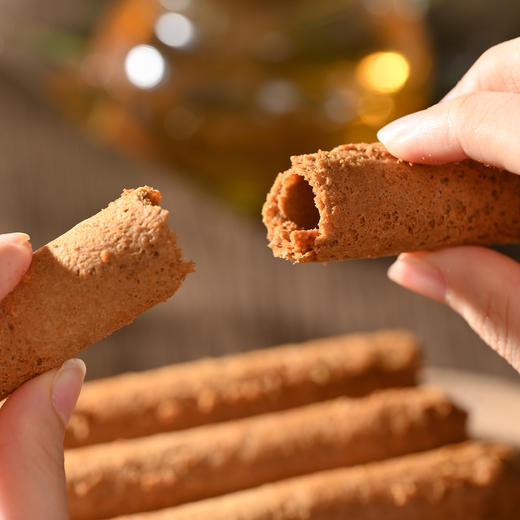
(469, 481)
(213, 390)
(173, 468)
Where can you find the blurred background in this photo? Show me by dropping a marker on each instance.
(206, 100)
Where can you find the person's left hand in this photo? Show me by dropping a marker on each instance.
(33, 419)
(478, 119)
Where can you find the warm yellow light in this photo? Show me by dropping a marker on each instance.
(383, 71)
(376, 109)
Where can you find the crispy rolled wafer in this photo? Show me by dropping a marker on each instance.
(214, 390)
(358, 201)
(174, 468)
(470, 481)
(87, 283)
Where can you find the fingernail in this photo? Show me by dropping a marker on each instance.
(15, 238)
(416, 273)
(67, 386)
(400, 128)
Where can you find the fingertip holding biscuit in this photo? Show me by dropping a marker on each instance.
(87, 283)
(358, 201)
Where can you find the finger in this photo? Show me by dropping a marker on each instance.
(15, 258)
(32, 422)
(483, 286)
(497, 69)
(484, 126)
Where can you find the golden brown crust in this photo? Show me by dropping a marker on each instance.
(359, 201)
(214, 390)
(470, 481)
(87, 283)
(169, 469)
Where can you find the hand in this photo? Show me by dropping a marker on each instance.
(478, 119)
(32, 420)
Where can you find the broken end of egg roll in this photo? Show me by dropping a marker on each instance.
(87, 283)
(358, 201)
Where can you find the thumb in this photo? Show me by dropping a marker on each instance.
(483, 286)
(32, 422)
(483, 126)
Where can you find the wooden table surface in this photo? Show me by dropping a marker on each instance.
(240, 298)
(493, 403)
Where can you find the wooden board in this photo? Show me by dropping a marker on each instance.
(493, 403)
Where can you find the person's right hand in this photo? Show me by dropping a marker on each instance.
(478, 119)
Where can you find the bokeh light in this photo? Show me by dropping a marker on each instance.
(376, 109)
(383, 72)
(175, 5)
(174, 30)
(341, 106)
(239, 82)
(278, 96)
(145, 66)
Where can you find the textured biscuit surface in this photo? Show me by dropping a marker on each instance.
(359, 201)
(470, 481)
(169, 469)
(214, 390)
(88, 283)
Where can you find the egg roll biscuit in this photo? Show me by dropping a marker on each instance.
(214, 390)
(88, 283)
(359, 201)
(470, 481)
(174, 468)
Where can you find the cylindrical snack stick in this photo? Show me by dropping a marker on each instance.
(471, 481)
(174, 468)
(88, 283)
(358, 201)
(214, 390)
